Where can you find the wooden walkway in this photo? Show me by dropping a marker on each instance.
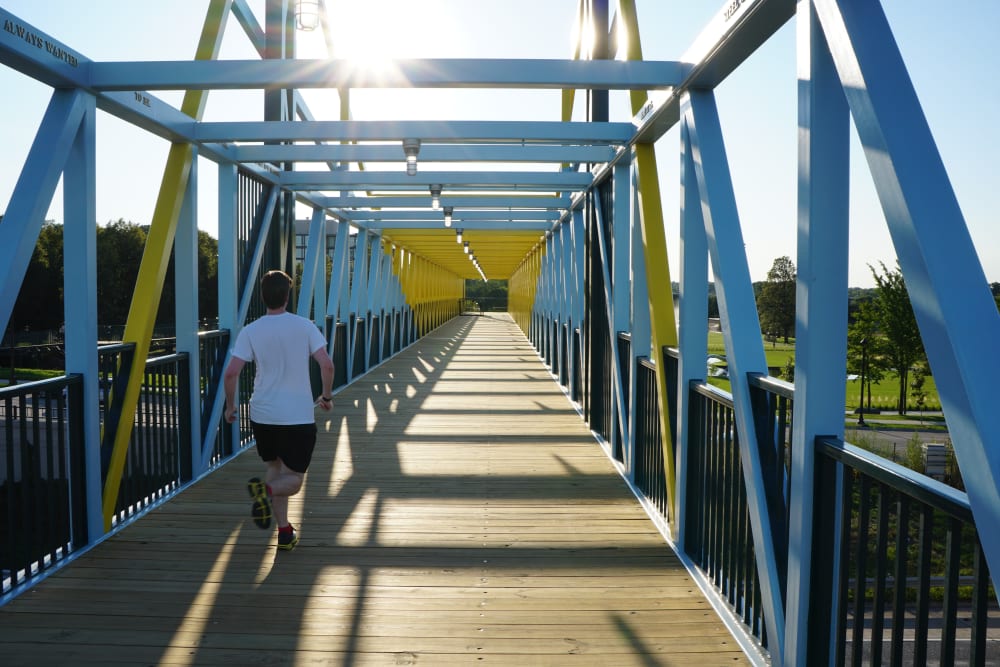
(457, 512)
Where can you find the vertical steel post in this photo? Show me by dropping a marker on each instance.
(80, 296)
(186, 306)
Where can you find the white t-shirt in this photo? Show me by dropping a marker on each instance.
(280, 345)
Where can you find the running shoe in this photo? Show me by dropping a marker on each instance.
(261, 510)
(287, 541)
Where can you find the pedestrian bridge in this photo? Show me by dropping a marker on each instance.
(552, 483)
(458, 509)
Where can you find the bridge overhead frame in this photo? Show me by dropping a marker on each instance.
(578, 232)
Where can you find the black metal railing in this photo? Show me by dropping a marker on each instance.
(772, 400)
(603, 419)
(551, 351)
(564, 353)
(397, 328)
(43, 508)
(374, 345)
(577, 368)
(910, 583)
(484, 304)
(718, 536)
(387, 335)
(114, 365)
(650, 475)
(212, 348)
(360, 348)
(624, 343)
(339, 356)
(159, 453)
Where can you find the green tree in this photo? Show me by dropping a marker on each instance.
(776, 302)
(866, 345)
(39, 303)
(491, 294)
(119, 251)
(208, 276)
(918, 378)
(904, 347)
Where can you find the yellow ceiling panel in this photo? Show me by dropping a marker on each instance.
(499, 252)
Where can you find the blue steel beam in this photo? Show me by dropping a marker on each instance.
(435, 73)
(30, 51)
(562, 314)
(427, 131)
(257, 254)
(621, 293)
(144, 110)
(39, 55)
(741, 333)
(370, 296)
(494, 201)
(186, 281)
(459, 223)
(80, 303)
(357, 289)
(33, 192)
(692, 334)
(228, 284)
(604, 248)
(432, 216)
(253, 30)
(820, 330)
(233, 308)
(370, 180)
(315, 251)
(319, 288)
(955, 311)
(640, 325)
(555, 153)
(338, 276)
(736, 31)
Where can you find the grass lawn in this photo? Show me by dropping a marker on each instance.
(29, 374)
(883, 393)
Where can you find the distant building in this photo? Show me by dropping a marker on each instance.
(302, 239)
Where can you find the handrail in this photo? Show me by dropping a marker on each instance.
(26, 387)
(773, 385)
(927, 490)
(712, 392)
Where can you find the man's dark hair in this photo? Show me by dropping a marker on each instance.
(274, 287)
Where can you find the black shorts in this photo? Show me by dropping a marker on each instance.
(292, 443)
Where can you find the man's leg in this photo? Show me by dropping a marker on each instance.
(284, 482)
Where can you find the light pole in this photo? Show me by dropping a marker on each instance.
(861, 400)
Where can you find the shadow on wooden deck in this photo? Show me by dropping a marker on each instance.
(457, 511)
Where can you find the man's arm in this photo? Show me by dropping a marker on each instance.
(326, 371)
(230, 378)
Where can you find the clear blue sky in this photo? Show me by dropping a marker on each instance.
(946, 45)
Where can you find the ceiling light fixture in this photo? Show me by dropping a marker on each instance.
(411, 147)
(436, 197)
(306, 14)
(447, 216)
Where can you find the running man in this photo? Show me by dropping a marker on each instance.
(281, 406)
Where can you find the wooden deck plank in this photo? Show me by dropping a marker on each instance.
(458, 511)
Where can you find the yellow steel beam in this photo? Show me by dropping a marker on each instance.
(523, 286)
(156, 255)
(661, 297)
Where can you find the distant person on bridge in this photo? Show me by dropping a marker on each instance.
(281, 406)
